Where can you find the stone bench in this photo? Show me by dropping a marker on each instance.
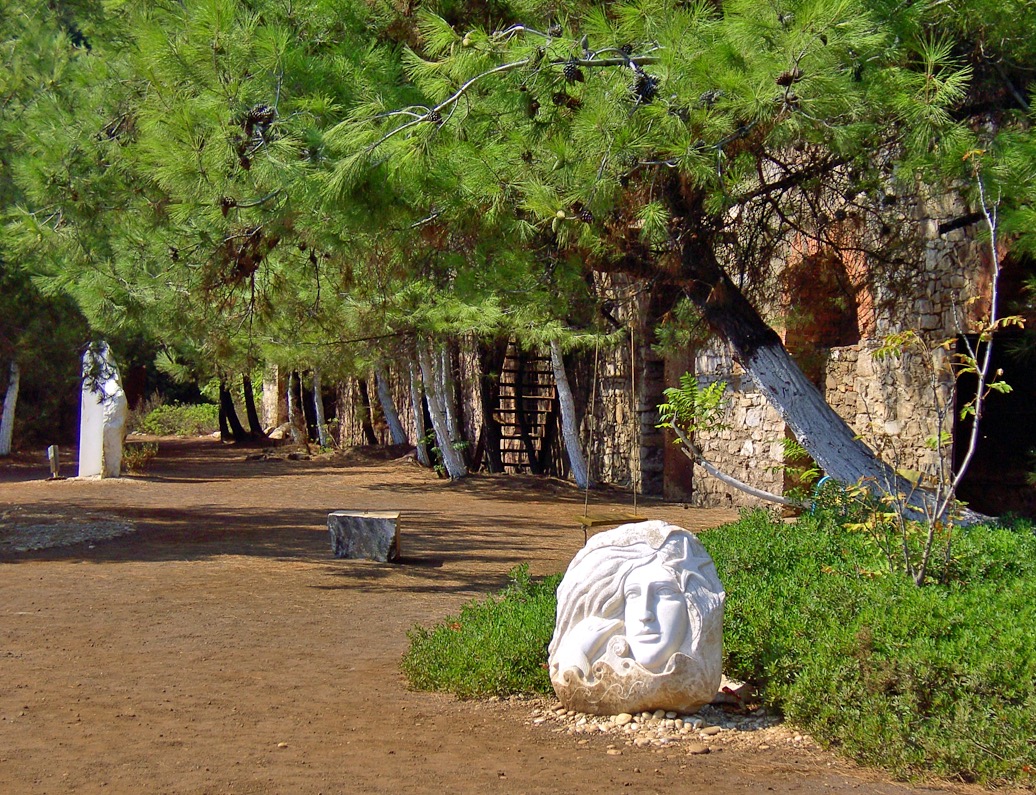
(370, 535)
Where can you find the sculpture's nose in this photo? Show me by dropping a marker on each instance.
(647, 612)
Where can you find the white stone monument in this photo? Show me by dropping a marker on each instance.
(640, 623)
(102, 418)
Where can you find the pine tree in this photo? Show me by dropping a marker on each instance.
(703, 137)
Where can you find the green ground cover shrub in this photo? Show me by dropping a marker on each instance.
(180, 420)
(939, 680)
(494, 647)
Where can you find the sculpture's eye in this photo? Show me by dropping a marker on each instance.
(632, 591)
(668, 592)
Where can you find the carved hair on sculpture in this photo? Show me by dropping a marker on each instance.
(639, 602)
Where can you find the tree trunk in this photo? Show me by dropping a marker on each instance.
(830, 441)
(443, 364)
(255, 425)
(569, 423)
(296, 414)
(226, 404)
(388, 405)
(10, 402)
(444, 434)
(224, 429)
(365, 419)
(491, 360)
(318, 409)
(417, 406)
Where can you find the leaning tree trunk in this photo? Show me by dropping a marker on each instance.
(255, 425)
(388, 405)
(226, 405)
(367, 413)
(225, 434)
(318, 409)
(417, 405)
(10, 402)
(569, 423)
(444, 434)
(835, 447)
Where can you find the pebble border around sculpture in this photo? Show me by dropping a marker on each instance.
(639, 624)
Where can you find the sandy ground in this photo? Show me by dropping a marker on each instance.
(212, 644)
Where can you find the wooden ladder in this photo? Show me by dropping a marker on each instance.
(526, 411)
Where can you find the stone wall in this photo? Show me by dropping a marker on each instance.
(748, 446)
(893, 403)
(624, 446)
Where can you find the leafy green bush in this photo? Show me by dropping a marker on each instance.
(938, 680)
(494, 647)
(923, 681)
(137, 456)
(179, 420)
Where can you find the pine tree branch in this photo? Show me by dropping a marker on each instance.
(792, 180)
(434, 114)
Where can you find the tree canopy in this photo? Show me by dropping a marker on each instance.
(249, 181)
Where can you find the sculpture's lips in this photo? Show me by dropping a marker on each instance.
(648, 636)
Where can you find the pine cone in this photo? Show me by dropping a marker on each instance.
(789, 77)
(560, 98)
(572, 73)
(262, 114)
(586, 216)
(708, 98)
(434, 117)
(645, 87)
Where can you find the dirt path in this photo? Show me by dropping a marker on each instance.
(220, 648)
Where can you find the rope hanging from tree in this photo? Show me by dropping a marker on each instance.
(590, 434)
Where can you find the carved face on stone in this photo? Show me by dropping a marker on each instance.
(655, 614)
(639, 624)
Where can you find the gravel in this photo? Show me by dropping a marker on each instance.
(711, 728)
(27, 530)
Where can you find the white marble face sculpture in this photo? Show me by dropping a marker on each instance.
(655, 616)
(640, 623)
